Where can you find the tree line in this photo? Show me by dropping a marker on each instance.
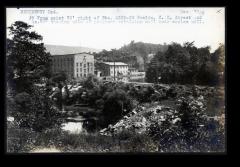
(187, 64)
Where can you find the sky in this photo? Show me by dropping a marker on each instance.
(61, 26)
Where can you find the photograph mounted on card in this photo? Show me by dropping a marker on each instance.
(116, 79)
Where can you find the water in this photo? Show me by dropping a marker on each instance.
(73, 127)
(77, 125)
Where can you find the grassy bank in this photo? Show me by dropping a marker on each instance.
(25, 141)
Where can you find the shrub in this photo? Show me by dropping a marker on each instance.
(90, 82)
(19, 139)
(188, 129)
(116, 104)
(130, 141)
(172, 92)
(35, 111)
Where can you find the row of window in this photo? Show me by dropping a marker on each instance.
(88, 64)
(68, 65)
(81, 75)
(112, 71)
(62, 59)
(88, 69)
(120, 67)
(116, 72)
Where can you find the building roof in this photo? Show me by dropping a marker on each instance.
(116, 63)
(73, 54)
(65, 50)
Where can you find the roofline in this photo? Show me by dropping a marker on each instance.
(73, 54)
(124, 64)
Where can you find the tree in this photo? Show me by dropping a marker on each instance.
(220, 54)
(60, 79)
(116, 104)
(27, 60)
(90, 82)
(218, 59)
(185, 64)
(36, 111)
(27, 64)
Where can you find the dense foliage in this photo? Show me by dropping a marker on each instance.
(188, 129)
(35, 111)
(187, 64)
(26, 58)
(183, 127)
(28, 69)
(116, 105)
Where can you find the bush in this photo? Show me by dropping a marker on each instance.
(19, 139)
(130, 141)
(188, 129)
(172, 92)
(116, 104)
(90, 82)
(35, 111)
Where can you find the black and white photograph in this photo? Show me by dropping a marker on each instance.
(115, 80)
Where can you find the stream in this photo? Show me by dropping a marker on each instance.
(74, 125)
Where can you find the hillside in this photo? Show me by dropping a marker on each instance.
(144, 47)
(135, 54)
(60, 49)
(142, 52)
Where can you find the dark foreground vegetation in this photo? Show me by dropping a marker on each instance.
(168, 119)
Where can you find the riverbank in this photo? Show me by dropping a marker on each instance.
(145, 129)
(58, 141)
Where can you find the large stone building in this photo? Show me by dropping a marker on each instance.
(76, 66)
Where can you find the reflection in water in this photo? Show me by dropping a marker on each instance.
(73, 127)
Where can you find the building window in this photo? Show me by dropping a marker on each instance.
(77, 64)
(84, 65)
(80, 70)
(80, 64)
(77, 75)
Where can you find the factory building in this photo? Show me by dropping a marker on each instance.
(76, 66)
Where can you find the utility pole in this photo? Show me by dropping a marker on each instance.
(114, 69)
(113, 64)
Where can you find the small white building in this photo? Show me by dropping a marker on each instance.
(117, 69)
